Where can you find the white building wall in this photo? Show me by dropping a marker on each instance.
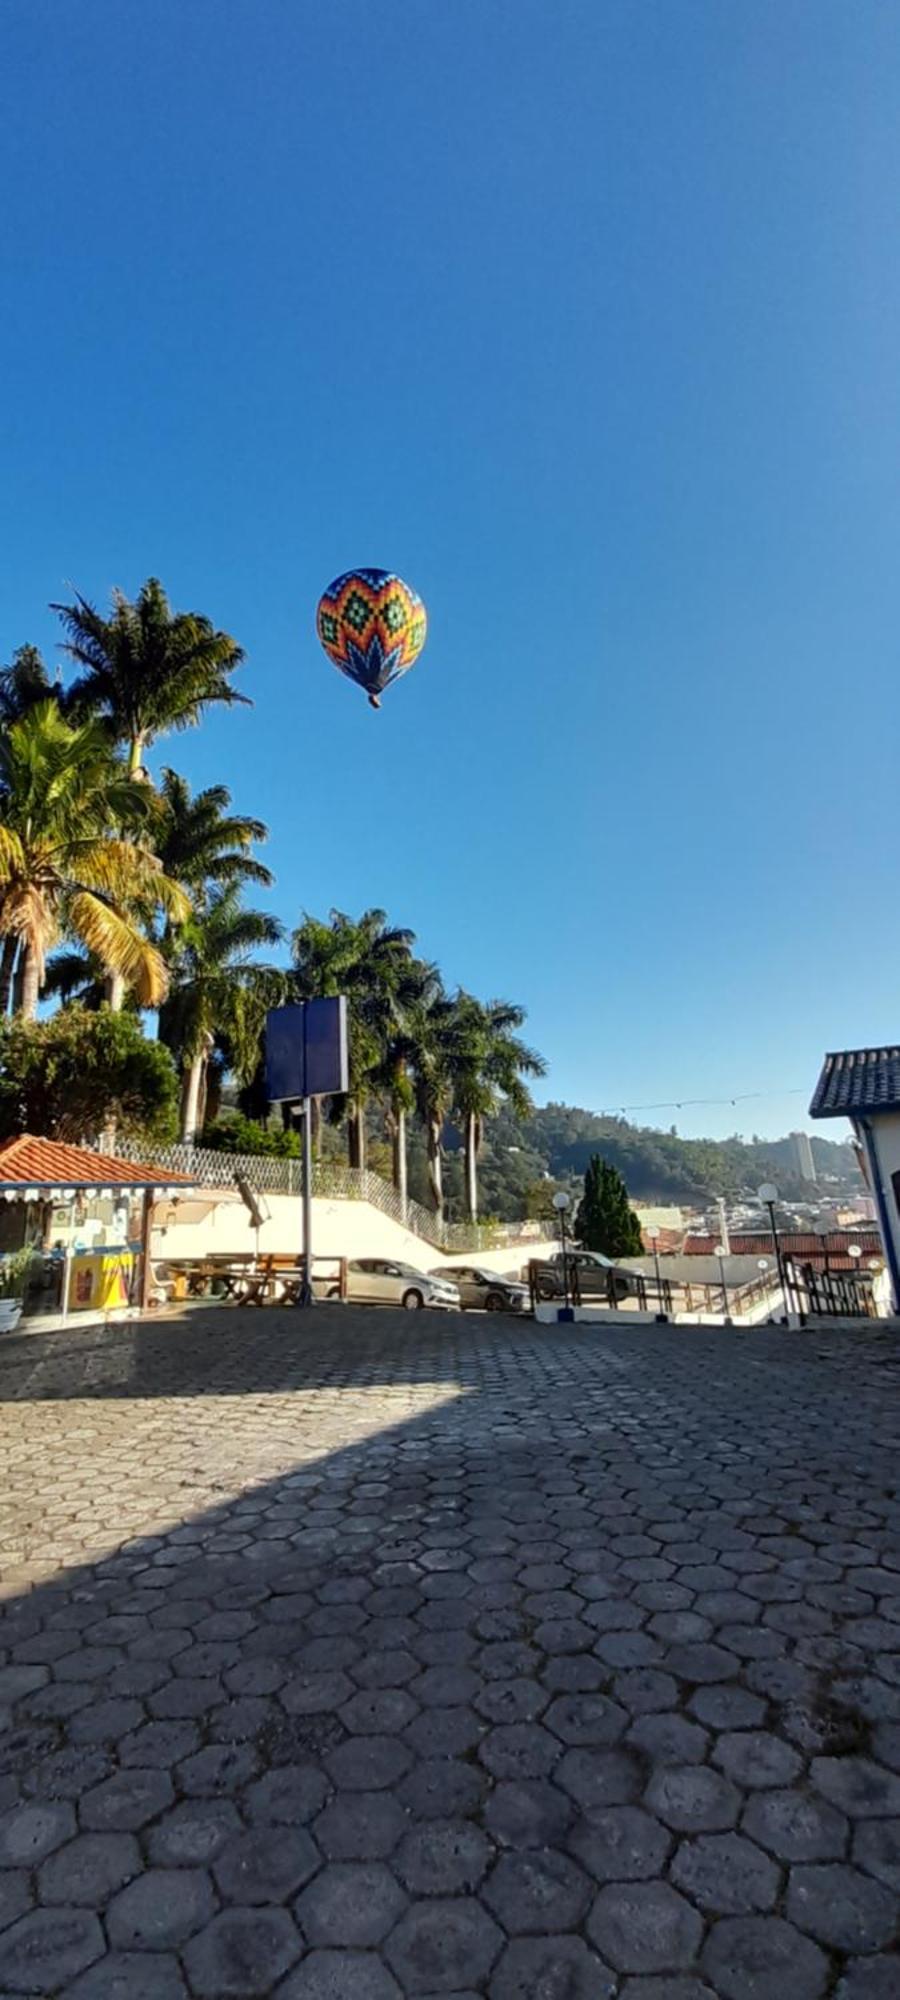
(340, 1229)
(883, 1136)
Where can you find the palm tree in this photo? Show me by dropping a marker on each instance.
(23, 685)
(61, 865)
(430, 1031)
(147, 668)
(416, 982)
(199, 841)
(488, 1063)
(366, 960)
(218, 992)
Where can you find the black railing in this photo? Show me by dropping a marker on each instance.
(828, 1294)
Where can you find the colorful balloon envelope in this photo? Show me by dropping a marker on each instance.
(372, 627)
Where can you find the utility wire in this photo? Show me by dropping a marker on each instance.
(684, 1103)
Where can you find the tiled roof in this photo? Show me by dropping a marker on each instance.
(857, 1080)
(807, 1246)
(30, 1162)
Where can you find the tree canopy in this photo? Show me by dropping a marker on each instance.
(605, 1221)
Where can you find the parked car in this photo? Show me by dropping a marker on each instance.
(485, 1289)
(378, 1281)
(598, 1277)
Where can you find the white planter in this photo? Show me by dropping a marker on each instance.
(10, 1314)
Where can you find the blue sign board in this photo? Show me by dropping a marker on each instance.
(306, 1050)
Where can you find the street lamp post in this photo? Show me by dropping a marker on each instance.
(762, 1265)
(561, 1203)
(652, 1234)
(768, 1195)
(719, 1252)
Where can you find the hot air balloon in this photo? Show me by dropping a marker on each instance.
(372, 627)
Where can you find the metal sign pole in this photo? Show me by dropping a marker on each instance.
(307, 1295)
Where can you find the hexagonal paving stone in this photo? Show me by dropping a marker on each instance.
(644, 1927)
(341, 1975)
(537, 1892)
(443, 1858)
(519, 1750)
(193, 1833)
(42, 1952)
(521, 1700)
(841, 1907)
(368, 1763)
(723, 1707)
(130, 1975)
(668, 1738)
(242, 1952)
(440, 1788)
(30, 1832)
(15, 1895)
(586, 1719)
(726, 1874)
(541, 1968)
(756, 1759)
(290, 1795)
(89, 1869)
(869, 1979)
(350, 1903)
(378, 1711)
(797, 1827)
(266, 1866)
(160, 1910)
(530, 1813)
(600, 1777)
(126, 1802)
(858, 1787)
(442, 1946)
(621, 1844)
(748, 1957)
(876, 1848)
(693, 1799)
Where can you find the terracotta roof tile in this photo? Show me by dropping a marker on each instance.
(30, 1162)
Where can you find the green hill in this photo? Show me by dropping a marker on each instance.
(559, 1139)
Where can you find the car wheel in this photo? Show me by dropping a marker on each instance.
(334, 1293)
(545, 1292)
(495, 1303)
(413, 1302)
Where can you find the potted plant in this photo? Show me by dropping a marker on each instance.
(14, 1272)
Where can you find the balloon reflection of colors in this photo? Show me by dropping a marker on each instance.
(372, 627)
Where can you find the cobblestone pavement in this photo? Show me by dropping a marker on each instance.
(353, 1657)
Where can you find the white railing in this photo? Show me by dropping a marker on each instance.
(334, 1182)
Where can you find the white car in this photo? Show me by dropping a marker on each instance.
(378, 1281)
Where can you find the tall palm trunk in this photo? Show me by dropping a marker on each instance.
(7, 967)
(473, 1140)
(356, 1134)
(31, 985)
(398, 1149)
(114, 991)
(136, 755)
(193, 1091)
(436, 1165)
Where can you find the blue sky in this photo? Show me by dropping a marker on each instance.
(584, 317)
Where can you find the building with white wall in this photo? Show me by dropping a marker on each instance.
(863, 1085)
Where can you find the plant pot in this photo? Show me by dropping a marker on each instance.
(10, 1314)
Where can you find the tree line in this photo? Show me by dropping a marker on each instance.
(123, 894)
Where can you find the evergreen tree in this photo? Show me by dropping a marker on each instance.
(605, 1221)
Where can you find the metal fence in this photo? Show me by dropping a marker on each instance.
(334, 1182)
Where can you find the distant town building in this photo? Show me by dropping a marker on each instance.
(803, 1156)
